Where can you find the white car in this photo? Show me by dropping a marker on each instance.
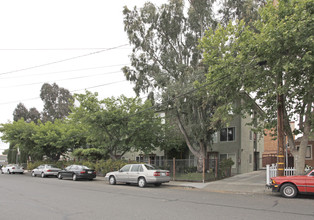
(12, 168)
(45, 170)
(140, 174)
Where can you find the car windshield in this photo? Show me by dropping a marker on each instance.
(85, 167)
(51, 166)
(150, 167)
(307, 172)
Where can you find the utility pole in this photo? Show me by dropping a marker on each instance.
(280, 124)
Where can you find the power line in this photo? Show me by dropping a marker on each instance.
(64, 71)
(72, 78)
(92, 87)
(64, 60)
(56, 49)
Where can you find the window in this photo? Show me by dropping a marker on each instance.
(227, 134)
(135, 167)
(251, 135)
(125, 168)
(215, 137)
(139, 159)
(308, 152)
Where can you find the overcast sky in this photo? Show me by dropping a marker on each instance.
(77, 44)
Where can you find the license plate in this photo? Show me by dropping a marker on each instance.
(163, 174)
(90, 172)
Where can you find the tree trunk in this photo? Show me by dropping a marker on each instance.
(200, 154)
(305, 126)
(300, 160)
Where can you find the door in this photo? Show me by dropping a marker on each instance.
(135, 173)
(310, 183)
(68, 171)
(123, 174)
(38, 170)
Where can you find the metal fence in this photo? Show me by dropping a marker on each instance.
(190, 170)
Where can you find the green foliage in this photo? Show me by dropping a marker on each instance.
(6, 152)
(36, 140)
(280, 47)
(166, 64)
(28, 115)
(57, 102)
(225, 168)
(117, 125)
(90, 154)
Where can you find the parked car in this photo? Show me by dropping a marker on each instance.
(290, 186)
(45, 170)
(140, 174)
(76, 172)
(12, 168)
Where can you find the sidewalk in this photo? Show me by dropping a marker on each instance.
(253, 182)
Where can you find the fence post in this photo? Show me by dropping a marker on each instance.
(216, 168)
(267, 175)
(174, 169)
(203, 170)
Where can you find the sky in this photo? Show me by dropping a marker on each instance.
(77, 44)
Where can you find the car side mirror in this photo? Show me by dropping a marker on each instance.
(120, 170)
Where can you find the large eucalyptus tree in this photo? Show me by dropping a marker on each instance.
(166, 64)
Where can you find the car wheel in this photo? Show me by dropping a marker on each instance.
(288, 190)
(59, 176)
(33, 174)
(141, 182)
(112, 180)
(43, 175)
(157, 184)
(74, 177)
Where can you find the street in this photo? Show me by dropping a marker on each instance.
(25, 197)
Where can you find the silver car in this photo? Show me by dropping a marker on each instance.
(12, 168)
(45, 170)
(141, 174)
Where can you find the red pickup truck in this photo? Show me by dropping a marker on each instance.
(290, 186)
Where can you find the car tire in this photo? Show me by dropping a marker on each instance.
(59, 176)
(74, 177)
(142, 182)
(33, 174)
(112, 180)
(43, 175)
(157, 184)
(288, 190)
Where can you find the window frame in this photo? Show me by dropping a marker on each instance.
(227, 134)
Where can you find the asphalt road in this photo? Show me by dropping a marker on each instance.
(24, 197)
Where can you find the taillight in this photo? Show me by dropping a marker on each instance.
(13, 168)
(48, 170)
(168, 174)
(156, 173)
(82, 172)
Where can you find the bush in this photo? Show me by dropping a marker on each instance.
(101, 167)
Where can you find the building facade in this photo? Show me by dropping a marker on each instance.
(241, 144)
